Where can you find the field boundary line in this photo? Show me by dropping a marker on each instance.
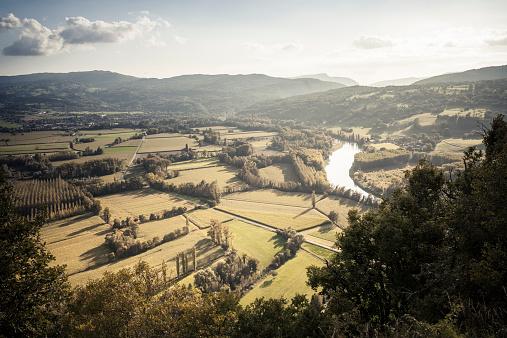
(250, 201)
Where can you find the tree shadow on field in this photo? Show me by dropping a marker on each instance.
(266, 283)
(96, 255)
(278, 241)
(88, 228)
(73, 220)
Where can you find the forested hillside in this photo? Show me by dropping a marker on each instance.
(376, 107)
(107, 91)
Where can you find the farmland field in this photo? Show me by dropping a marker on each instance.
(166, 144)
(33, 148)
(423, 119)
(319, 251)
(102, 138)
(224, 175)
(148, 230)
(278, 216)
(254, 241)
(165, 252)
(194, 164)
(454, 147)
(281, 172)
(326, 232)
(385, 145)
(145, 201)
(47, 137)
(77, 242)
(272, 196)
(203, 217)
(339, 205)
(247, 134)
(290, 280)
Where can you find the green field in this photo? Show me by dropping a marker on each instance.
(327, 232)
(254, 241)
(319, 251)
(290, 280)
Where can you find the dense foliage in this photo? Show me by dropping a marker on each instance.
(434, 251)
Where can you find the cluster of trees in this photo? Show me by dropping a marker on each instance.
(238, 148)
(372, 159)
(293, 242)
(62, 156)
(353, 195)
(294, 139)
(84, 140)
(124, 242)
(100, 167)
(26, 165)
(182, 263)
(211, 137)
(54, 197)
(202, 189)
(99, 188)
(157, 165)
(90, 152)
(310, 177)
(235, 273)
(219, 234)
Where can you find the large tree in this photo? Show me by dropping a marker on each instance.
(32, 294)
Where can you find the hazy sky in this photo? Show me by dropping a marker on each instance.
(366, 40)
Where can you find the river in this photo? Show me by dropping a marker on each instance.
(338, 167)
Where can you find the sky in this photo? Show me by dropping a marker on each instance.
(367, 40)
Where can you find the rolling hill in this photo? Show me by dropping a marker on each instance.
(406, 81)
(375, 107)
(481, 74)
(345, 81)
(108, 91)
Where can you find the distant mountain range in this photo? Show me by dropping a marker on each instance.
(481, 74)
(108, 91)
(406, 81)
(310, 97)
(345, 81)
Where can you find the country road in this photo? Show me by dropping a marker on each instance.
(132, 159)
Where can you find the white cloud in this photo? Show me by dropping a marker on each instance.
(34, 39)
(37, 39)
(497, 42)
(371, 43)
(9, 22)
